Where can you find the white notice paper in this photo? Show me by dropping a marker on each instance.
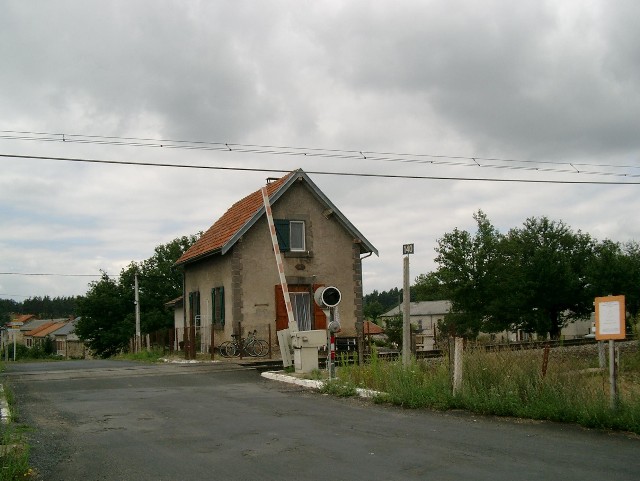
(609, 317)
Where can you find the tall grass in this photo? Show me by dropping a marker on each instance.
(14, 451)
(153, 355)
(510, 383)
(14, 454)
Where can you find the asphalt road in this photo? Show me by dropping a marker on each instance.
(110, 420)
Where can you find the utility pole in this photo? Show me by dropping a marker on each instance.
(406, 314)
(137, 302)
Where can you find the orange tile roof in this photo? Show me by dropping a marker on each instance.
(37, 330)
(230, 223)
(24, 318)
(368, 327)
(371, 328)
(52, 328)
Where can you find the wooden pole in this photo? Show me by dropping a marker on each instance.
(602, 356)
(613, 381)
(213, 342)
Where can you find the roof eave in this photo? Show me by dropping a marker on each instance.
(258, 213)
(197, 258)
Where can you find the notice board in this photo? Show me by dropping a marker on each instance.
(610, 317)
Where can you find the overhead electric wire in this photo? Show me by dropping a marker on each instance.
(46, 274)
(433, 159)
(347, 174)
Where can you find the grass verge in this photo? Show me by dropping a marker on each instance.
(14, 450)
(143, 356)
(507, 383)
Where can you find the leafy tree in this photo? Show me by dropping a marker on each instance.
(552, 265)
(108, 320)
(378, 303)
(7, 308)
(42, 349)
(47, 307)
(615, 270)
(429, 287)
(43, 307)
(373, 309)
(537, 277)
(630, 286)
(393, 330)
(469, 269)
(160, 282)
(108, 309)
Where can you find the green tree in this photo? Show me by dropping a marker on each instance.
(393, 330)
(552, 264)
(377, 303)
(107, 319)
(160, 282)
(373, 309)
(535, 278)
(429, 287)
(108, 309)
(615, 270)
(469, 269)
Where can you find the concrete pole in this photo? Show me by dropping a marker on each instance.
(137, 302)
(406, 314)
(457, 365)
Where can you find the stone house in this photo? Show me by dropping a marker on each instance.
(424, 317)
(68, 344)
(231, 280)
(45, 331)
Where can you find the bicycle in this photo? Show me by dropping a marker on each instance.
(251, 346)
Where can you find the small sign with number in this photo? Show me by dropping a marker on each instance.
(407, 249)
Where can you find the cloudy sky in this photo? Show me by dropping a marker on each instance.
(427, 91)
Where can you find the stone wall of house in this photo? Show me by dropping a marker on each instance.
(328, 259)
(76, 350)
(249, 273)
(203, 276)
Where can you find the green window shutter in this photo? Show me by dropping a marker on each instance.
(221, 297)
(214, 306)
(194, 308)
(283, 234)
(217, 302)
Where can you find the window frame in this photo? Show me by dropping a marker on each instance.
(303, 236)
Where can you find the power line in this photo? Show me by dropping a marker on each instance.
(432, 159)
(46, 274)
(347, 174)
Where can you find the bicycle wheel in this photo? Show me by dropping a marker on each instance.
(250, 347)
(260, 348)
(227, 349)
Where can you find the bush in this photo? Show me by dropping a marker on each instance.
(338, 388)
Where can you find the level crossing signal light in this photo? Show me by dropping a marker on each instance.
(327, 297)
